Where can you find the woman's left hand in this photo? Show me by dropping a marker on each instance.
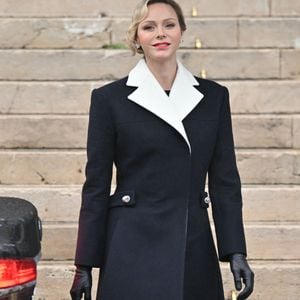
(241, 270)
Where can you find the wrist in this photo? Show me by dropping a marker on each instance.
(237, 255)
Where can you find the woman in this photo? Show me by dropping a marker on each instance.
(165, 130)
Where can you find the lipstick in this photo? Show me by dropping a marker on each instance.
(162, 45)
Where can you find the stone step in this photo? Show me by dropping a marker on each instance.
(269, 32)
(84, 64)
(263, 131)
(269, 167)
(285, 8)
(247, 97)
(94, 33)
(94, 8)
(43, 131)
(264, 241)
(45, 33)
(67, 167)
(264, 96)
(273, 280)
(111, 8)
(62, 97)
(277, 203)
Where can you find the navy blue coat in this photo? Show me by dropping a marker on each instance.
(152, 237)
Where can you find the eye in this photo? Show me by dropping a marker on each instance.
(170, 25)
(148, 27)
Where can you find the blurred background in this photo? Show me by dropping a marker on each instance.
(54, 52)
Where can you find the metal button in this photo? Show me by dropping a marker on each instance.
(126, 198)
(207, 200)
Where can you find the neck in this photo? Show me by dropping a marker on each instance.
(164, 72)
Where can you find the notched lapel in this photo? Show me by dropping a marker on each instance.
(183, 93)
(150, 95)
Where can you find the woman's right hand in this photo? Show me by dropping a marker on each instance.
(82, 284)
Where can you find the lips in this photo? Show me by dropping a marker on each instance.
(164, 44)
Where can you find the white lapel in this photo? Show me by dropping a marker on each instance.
(150, 95)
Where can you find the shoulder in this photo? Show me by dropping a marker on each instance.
(110, 97)
(111, 87)
(113, 93)
(207, 86)
(216, 95)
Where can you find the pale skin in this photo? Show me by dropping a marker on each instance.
(159, 35)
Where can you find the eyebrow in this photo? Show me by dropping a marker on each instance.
(152, 21)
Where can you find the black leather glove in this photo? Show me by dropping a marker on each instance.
(82, 284)
(241, 270)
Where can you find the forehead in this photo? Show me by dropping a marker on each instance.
(159, 11)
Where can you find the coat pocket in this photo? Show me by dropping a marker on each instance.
(204, 200)
(122, 198)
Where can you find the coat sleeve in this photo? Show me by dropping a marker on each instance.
(225, 188)
(96, 188)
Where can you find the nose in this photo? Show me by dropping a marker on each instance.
(160, 32)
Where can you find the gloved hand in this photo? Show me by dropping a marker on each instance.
(82, 284)
(241, 270)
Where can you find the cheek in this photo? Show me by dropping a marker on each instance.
(142, 38)
(177, 37)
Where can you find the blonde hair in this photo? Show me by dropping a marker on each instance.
(140, 13)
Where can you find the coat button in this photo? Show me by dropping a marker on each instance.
(126, 198)
(207, 200)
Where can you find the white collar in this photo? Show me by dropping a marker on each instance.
(150, 95)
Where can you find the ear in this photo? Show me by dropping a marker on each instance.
(138, 45)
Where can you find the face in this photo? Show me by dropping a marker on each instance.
(159, 34)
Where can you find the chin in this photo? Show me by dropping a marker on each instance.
(161, 56)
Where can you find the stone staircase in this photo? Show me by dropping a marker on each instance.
(52, 53)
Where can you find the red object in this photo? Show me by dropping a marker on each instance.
(16, 272)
